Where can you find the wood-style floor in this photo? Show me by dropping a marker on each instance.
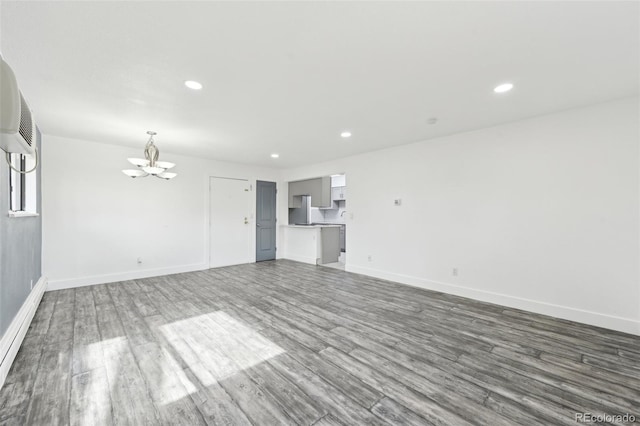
(285, 343)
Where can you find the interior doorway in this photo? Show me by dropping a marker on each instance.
(265, 221)
(229, 222)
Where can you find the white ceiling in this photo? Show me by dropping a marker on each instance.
(288, 77)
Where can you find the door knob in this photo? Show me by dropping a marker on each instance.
(257, 224)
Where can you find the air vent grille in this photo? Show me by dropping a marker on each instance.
(26, 125)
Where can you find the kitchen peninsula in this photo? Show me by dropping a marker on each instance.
(315, 244)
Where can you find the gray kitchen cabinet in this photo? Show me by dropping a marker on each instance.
(295, 202)
(330, 236)
(295, 195)
(323, 192)
(319, 189)
(343, 238)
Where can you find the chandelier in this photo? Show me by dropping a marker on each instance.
(150, 165)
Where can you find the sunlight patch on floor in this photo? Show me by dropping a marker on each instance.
(102, 362)
(165, 377)
(213, 346)
(216, 346)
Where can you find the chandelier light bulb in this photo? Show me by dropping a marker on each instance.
(167, 175)
(134, 173)
(153, 170)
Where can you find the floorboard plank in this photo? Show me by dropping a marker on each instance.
(90, 399)
(282, 342)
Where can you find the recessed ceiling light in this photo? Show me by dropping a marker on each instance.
(432, 120)
(345, 134)
(503, 88)
(193, 85)
(275, 155)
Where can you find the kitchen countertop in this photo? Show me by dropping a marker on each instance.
(335, 225)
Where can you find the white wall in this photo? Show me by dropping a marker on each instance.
(541, 214)
(97, 221)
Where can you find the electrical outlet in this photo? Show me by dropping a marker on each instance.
(397, 202)
(454, 272)
(369, 258)
(139, 260)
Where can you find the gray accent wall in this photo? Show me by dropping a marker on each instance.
(20, 250)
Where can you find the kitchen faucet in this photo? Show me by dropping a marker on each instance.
(343, 212)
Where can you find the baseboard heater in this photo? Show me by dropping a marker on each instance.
(13, 337)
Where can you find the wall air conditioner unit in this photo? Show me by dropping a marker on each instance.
(17, 127)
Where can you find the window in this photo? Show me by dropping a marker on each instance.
(22, 185)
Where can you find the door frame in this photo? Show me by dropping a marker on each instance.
(275, 207)
(252, 218)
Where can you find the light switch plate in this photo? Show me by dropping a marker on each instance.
(397, 202)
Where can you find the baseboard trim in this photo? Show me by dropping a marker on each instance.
(123, 276)
(14, 335)
(303, 259)
(626, 325)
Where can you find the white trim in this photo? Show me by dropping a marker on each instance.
(626, 325)
(14, 335)
(123, 276)
(21, 213)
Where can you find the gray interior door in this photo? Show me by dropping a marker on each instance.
(265, 221)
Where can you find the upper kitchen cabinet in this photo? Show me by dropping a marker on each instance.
(339, 193)
(338, 180)
(338, 188)
(319, 189)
